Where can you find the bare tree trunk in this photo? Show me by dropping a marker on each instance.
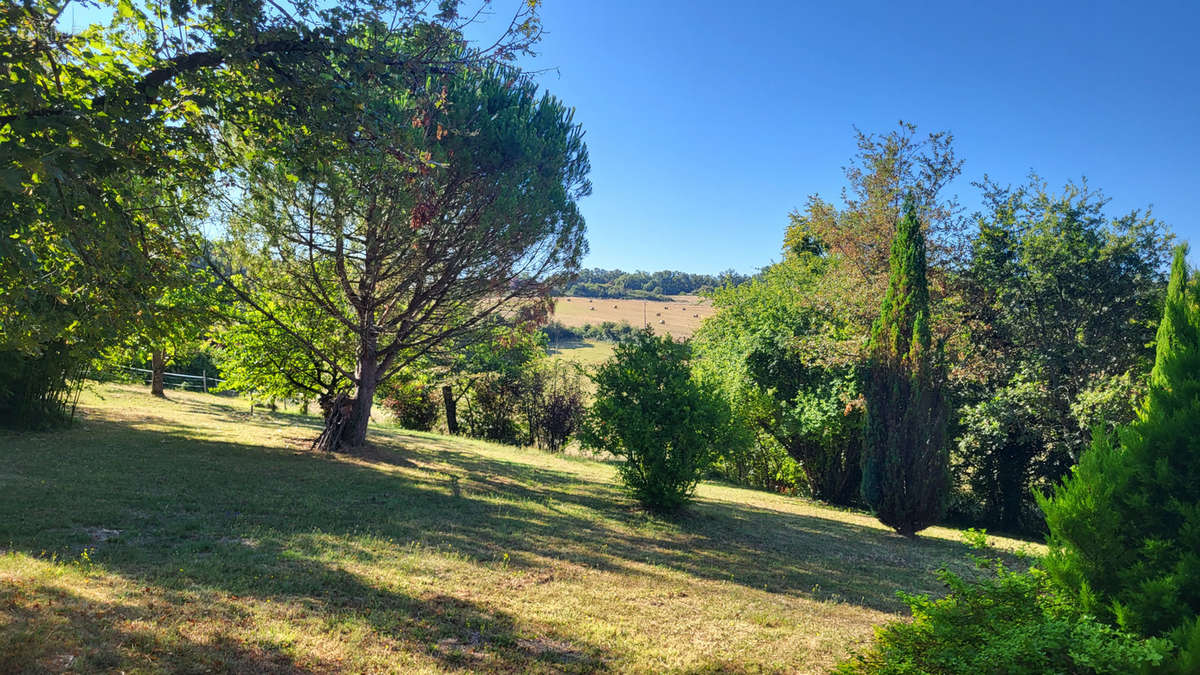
(158, 365)
(451, 409)
(355, 434)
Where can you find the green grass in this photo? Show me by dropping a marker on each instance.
(586, 353)
(186, 535)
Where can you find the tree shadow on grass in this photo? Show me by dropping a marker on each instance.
(500, 507)
(51, 629)
(254, 521)
(164, 628)
(559, 346)
(756, 547)
(228, 413)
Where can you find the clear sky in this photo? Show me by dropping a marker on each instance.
(707, 122)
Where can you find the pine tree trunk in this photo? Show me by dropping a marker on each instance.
(158, 365)
(355, 433)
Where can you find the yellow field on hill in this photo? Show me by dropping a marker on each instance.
(680, 316)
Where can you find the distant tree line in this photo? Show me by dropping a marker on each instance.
(601, 283)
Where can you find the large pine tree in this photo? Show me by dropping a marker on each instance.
(1125, 526)
(905, 472)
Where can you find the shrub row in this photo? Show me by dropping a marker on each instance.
(607, 331)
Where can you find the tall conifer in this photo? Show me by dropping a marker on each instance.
(905, 465)
(1125, 526)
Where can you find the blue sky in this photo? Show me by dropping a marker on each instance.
(707, 122)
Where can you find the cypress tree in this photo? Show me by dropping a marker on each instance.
(905, 465)
(1125, 525)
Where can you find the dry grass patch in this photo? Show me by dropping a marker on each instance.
(186, 535)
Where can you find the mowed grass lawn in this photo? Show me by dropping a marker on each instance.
(187, 536)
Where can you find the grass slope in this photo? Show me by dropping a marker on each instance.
(588, 353)
(185, 535)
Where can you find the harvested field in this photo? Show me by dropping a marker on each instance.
(680, 316)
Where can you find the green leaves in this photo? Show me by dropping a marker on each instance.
(93, 170)
(1062, 299)
(664, 425)
(902, 330)
(905, 462)
(1003, 621)
(1125, 525)
(774, 353)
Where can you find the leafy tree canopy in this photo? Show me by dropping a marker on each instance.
(1059, 300)
(410, 215)
(783, 363)
(109, 132)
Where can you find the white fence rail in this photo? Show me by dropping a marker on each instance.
(201, 383)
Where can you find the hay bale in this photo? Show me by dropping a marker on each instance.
(662, 320)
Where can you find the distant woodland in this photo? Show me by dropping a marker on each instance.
(601, 283)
